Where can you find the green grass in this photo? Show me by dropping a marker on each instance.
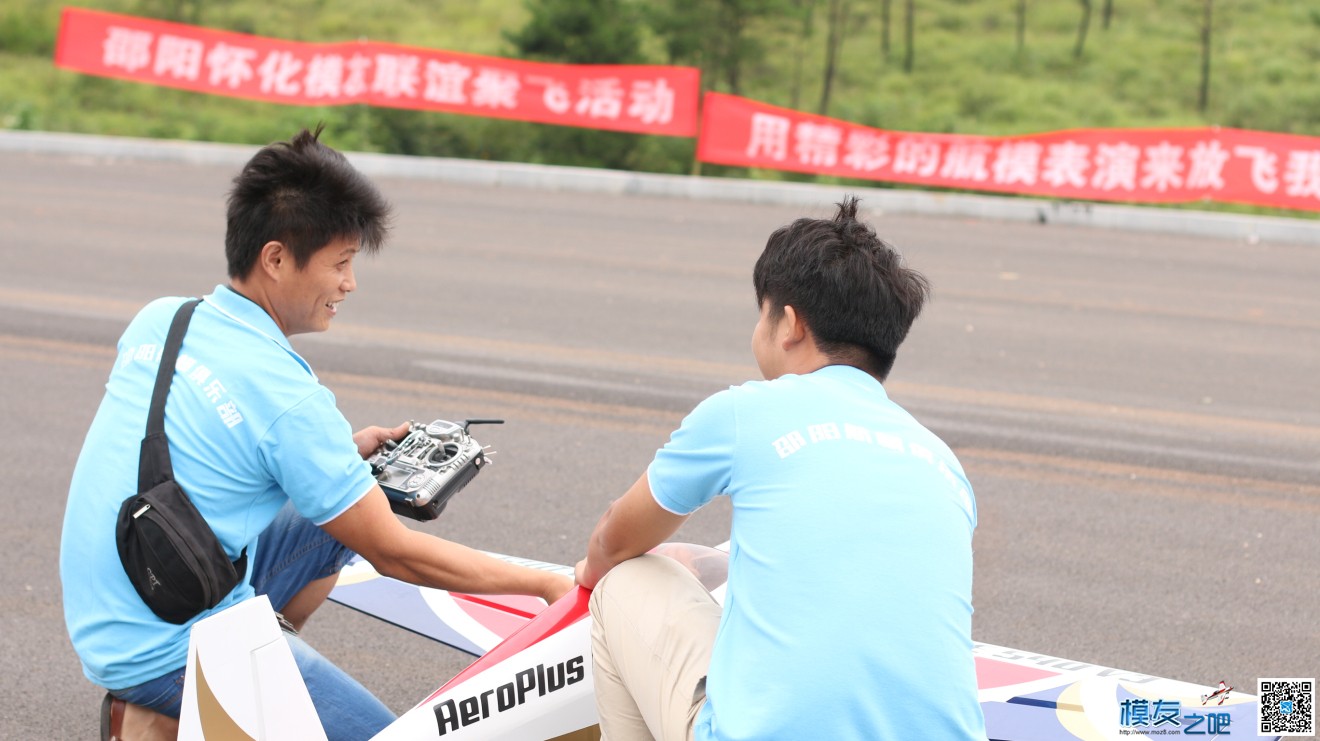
(1143, 71)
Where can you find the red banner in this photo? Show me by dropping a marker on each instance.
(636, 98)
(1137, 165)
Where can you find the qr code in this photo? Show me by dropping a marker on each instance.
(1287, 707)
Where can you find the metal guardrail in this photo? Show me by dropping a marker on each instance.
(1247, 228)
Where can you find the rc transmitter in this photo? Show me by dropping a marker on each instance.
(432, 463)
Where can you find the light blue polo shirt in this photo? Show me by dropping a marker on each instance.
(848, 610)
(250, 427)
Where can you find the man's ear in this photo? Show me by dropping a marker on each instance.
(792, 330)
(274, 259)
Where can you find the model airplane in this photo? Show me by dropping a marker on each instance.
(532, 679)
(1221, 693)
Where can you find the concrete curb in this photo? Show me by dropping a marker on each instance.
(546, 177)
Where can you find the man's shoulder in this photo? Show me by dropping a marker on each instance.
(725, 403)
(166, 304)
(807, 386)
(762, 388)
(157, 313)
(226, 358)
(242, 343)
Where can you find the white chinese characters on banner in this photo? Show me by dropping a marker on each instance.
(397, 75)
(556, 97)
(178, 57)
(445, 81)
(495, 88)
(1066, 163)
(1115, 166)
(1301, 177)
(600, 98)
(325, 76)
(817, 145)
(967, 161)
(336, 77)
(1207, 165)
(648, 101)
(769, 137)
(126, 48)
(230, 66)
(1017, 162)
(1138, 165)
(866, 151)
(1163, 167)
(651, 101)
(917, 156)
(355, 82)
(277, 73)
(1264, 167)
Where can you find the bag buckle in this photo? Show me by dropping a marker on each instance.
(285, 625)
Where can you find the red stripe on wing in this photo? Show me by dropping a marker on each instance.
(991, 673)
(499, 617)
(568, 610)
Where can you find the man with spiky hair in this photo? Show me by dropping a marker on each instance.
(261, 450)
(847, 613)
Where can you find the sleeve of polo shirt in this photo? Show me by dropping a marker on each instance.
(696, 464)
(311, 454)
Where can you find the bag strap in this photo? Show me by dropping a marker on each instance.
(165, 373)
(154, 460)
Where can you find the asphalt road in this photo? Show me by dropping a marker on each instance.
(1137, 414)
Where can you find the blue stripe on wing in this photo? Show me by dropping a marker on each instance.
(401, 604)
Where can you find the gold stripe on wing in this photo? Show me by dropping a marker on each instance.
(217, 724)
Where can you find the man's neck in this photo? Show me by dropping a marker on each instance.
(809, 359)
(253, 291)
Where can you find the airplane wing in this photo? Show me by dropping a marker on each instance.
(473, 624)
(1025, 696)
(1032, 697)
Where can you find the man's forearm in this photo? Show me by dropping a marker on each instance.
(604, 552)
(632, 525)
(442, 564)
(372, 530)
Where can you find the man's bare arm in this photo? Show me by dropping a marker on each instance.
(371, 529)
(633, 525)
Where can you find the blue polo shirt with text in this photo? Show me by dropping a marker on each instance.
(250, 428)
(849, 602)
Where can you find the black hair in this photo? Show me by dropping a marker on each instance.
(304, 194)
(847, 285)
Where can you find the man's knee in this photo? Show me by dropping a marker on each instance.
(645, 574)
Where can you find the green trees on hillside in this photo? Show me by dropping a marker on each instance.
(718, 36)
(1203, 98)
(1004, 67)
(582, 32)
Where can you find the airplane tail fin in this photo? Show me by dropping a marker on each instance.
(242, 682)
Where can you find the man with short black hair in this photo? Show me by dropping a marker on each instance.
(261, 450)
(848, 608)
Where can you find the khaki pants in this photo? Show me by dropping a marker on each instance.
(654, 627)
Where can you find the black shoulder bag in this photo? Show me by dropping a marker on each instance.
(168, 550)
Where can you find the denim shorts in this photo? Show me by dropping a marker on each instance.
(292, 553)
